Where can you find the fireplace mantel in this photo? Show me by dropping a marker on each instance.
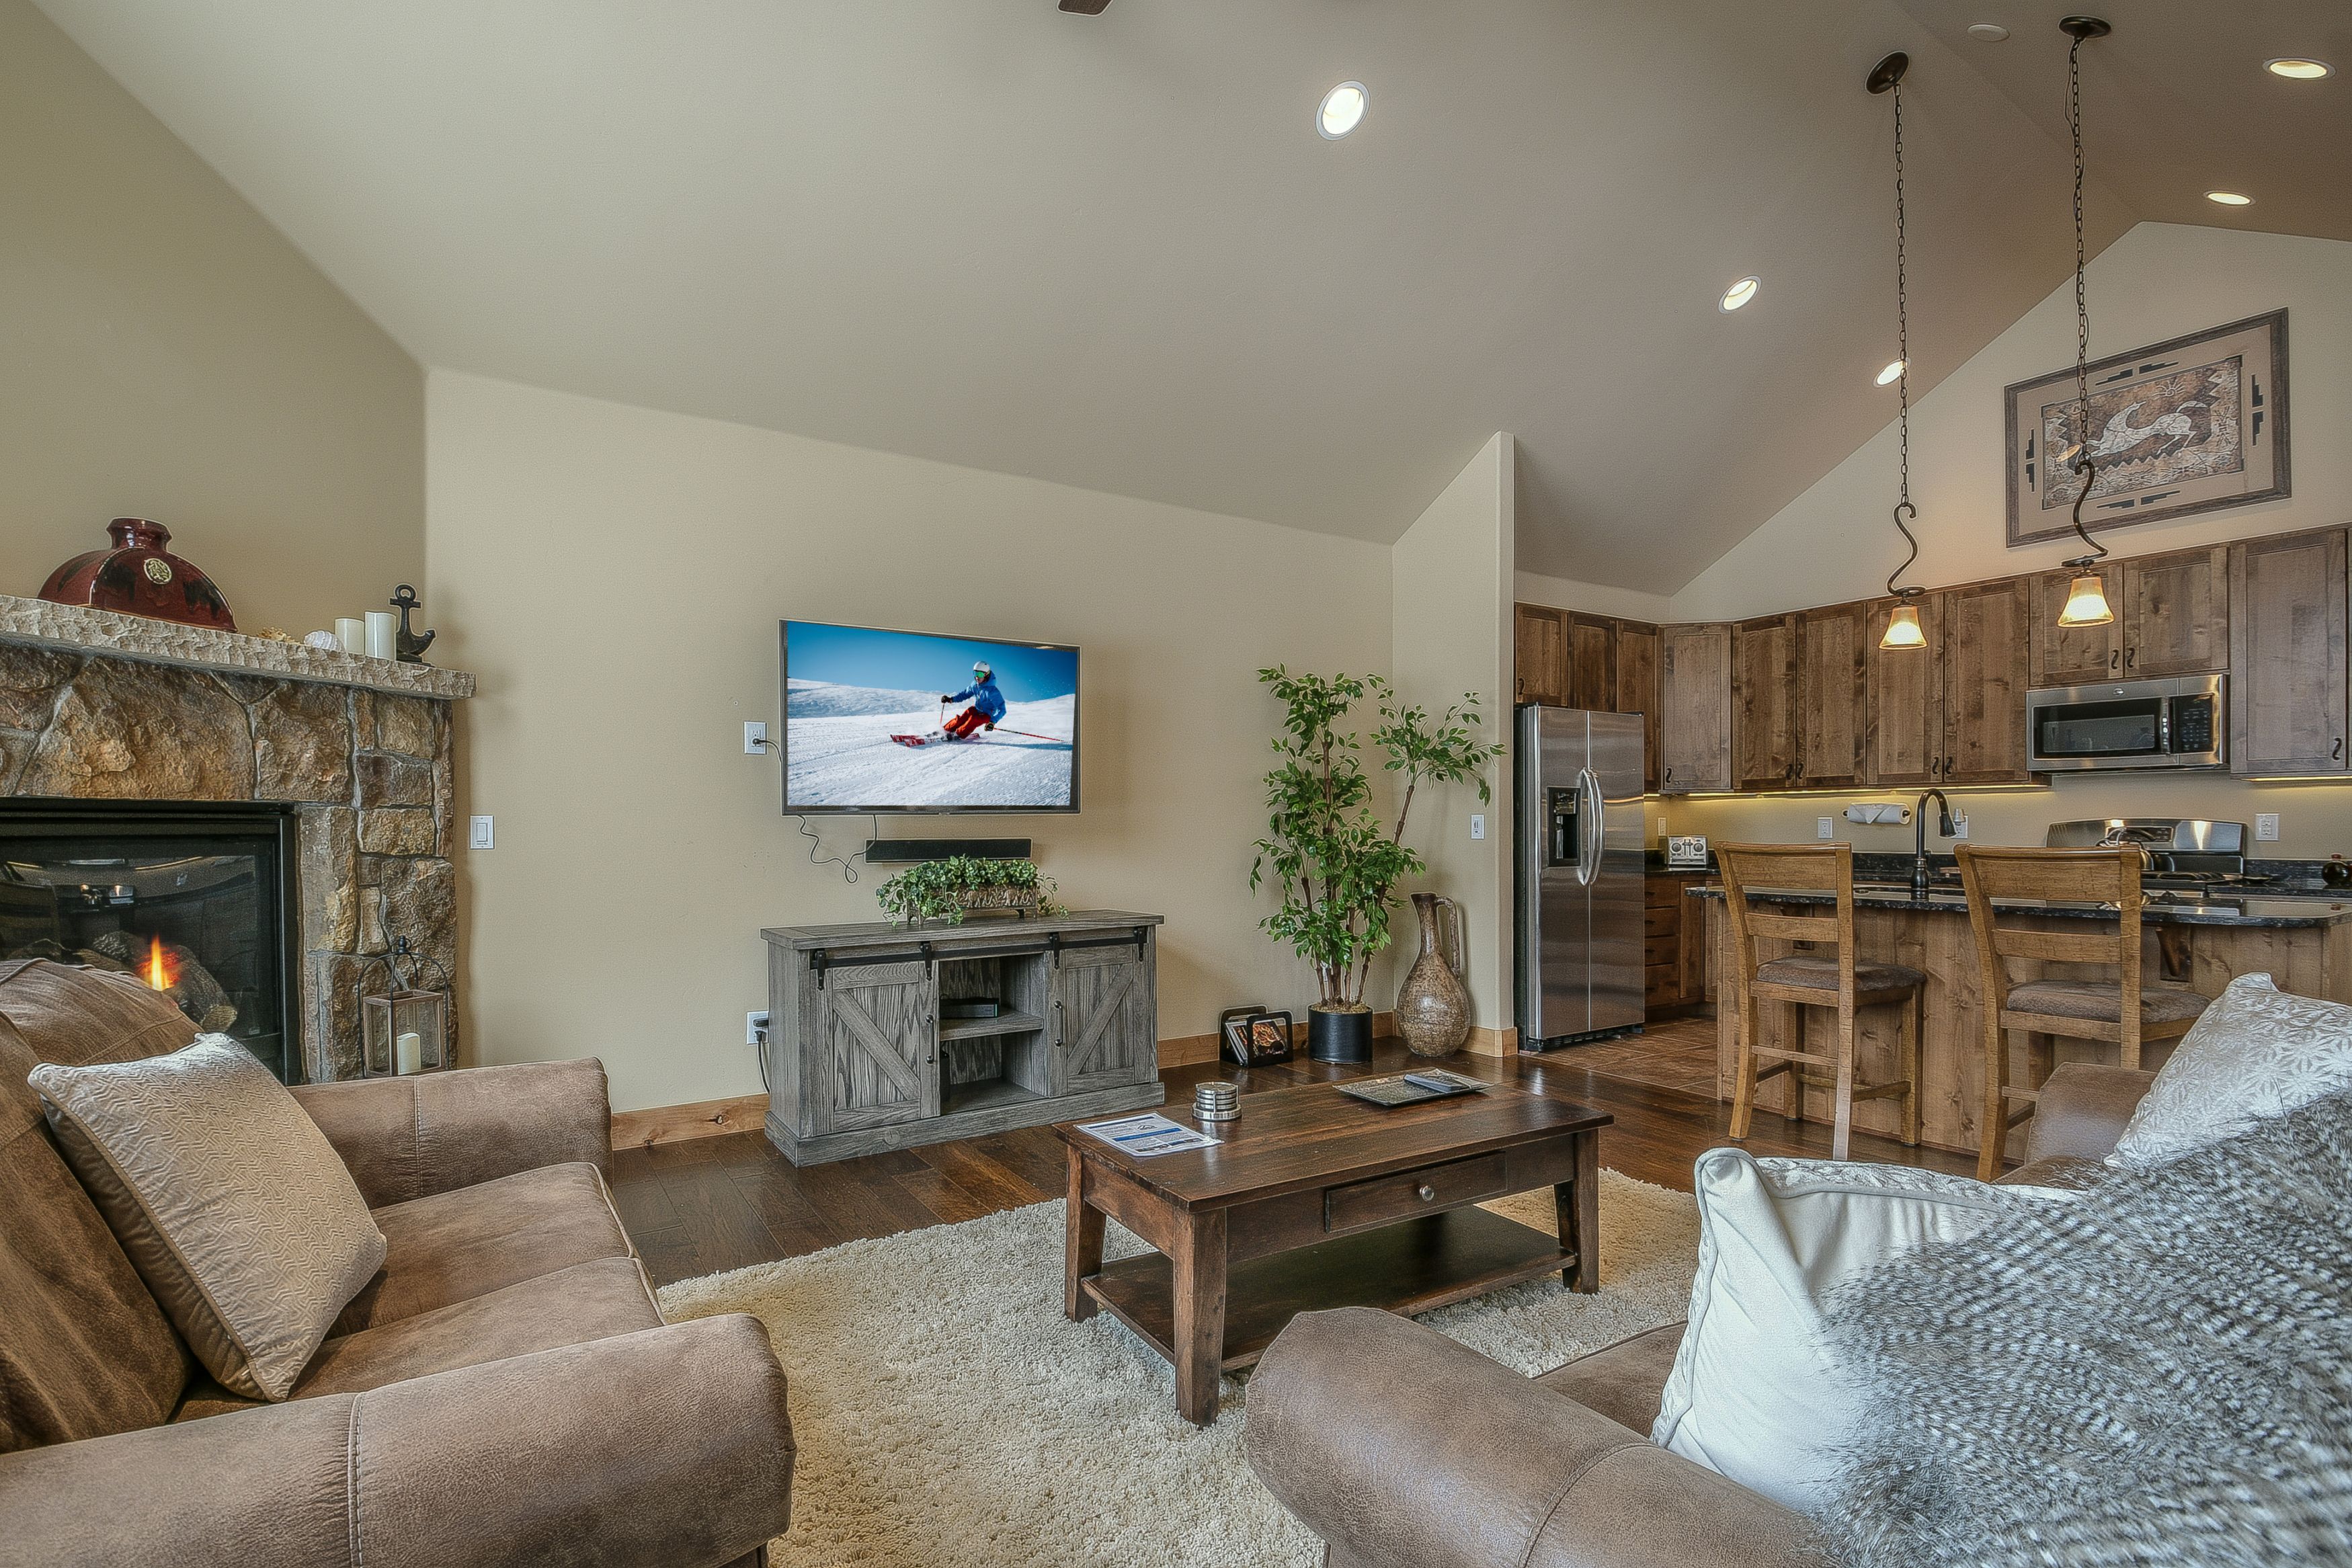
(96, 706)
(77, 628)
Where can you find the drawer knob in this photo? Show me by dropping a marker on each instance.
(1426, 1192)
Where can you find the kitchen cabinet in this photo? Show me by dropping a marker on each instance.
(1591, 664)
(1834, 697)
(1673, 944)
(2287, 693)
(1768, 716)
(1906, 740)
(1984, 649)
(2176, 613)
(1539, 655)
(1695, 708)
(1637, 689)
(2075, 655)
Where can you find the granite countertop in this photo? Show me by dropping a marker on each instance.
(2156, 909)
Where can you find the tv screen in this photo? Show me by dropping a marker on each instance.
(909, 721)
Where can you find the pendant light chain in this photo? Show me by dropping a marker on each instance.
(1888, 77)
(2082, 419)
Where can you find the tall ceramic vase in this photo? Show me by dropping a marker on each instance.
(1433, 1009)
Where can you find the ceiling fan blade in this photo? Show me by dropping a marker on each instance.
(1085, 7)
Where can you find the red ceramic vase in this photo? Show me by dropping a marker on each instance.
(139, 577)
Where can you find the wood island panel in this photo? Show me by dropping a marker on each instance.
(2309, 960)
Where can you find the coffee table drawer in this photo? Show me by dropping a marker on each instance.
(1386, 1199)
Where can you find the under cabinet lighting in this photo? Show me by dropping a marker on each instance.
(1342, 111)
(2298, 69)
(1739, 294)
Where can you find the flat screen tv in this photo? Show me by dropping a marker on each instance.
(912, 721)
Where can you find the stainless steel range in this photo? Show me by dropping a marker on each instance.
(2185, 854)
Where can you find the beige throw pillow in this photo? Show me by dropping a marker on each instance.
(2257, 1052)
(231, 1203)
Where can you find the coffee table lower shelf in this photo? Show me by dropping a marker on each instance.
(1416, 1266)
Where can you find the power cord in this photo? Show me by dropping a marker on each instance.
(848, 871)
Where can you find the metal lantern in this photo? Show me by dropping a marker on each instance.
(404, 1020)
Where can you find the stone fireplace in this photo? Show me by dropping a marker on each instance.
(159, 730)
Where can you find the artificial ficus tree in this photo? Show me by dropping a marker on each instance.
(1334, 859)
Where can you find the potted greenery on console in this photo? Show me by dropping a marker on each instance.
(1335, 861)
(947, 890)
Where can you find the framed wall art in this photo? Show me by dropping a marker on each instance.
(2192, 425)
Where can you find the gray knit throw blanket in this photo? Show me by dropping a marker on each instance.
(2159, 1374)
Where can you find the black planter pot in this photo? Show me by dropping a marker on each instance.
(1339, 1036)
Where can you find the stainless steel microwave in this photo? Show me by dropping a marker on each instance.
(2177, 723)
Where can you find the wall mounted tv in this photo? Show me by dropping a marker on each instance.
(911, 721)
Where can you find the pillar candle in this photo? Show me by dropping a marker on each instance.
(381, 631)
(407, 1053)
(352, 633)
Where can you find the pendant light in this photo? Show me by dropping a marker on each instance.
(1903, 628)
(2086, 597)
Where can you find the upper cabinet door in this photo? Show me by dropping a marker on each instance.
(1984, 649)
(1695, 708)
(2287, 674)
(1540, 654)
(1637, 689)
(1591, 664)
(2075, 655)
(1834, 697)
(1767, 732)
(1905, 743)
(2176, 613)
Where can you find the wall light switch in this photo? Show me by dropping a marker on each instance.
(1477, 824)
(1824, 828)
(2266, 826)
(755, 737)
(755, 1028)
(481, 836)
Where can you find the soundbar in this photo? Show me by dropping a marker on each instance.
(895, 852)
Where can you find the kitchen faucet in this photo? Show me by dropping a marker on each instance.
(1919, 877)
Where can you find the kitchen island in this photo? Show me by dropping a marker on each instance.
(2303, 943)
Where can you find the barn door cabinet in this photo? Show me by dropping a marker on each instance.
(865, 1052)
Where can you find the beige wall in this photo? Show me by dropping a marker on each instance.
(1834, 542)
(171, 355)
(1451, 596)
(614, 577)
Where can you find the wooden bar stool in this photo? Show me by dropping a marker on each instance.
(1812, 980)
(2123, 1011)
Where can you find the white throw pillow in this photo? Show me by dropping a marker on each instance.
(1754, 1394)
(2256, 1052)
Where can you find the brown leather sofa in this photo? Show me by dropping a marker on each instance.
(1403, 1449)
(504, 1391)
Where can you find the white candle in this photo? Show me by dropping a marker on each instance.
(381, 634)
(352, 633)
(407, 1053)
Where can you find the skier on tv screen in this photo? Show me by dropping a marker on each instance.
(987, 701)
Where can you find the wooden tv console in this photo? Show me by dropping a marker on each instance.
(858, 1059)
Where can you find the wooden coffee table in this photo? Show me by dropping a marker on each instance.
(1314, 1199)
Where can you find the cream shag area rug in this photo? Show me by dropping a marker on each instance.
(950, 1416)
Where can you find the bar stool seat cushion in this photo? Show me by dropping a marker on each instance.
(2102, 1001)
(1821, 974)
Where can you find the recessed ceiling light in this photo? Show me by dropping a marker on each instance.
(1342, 111)
(1988, 33)
(2296, 69)
(1738, 294)
(2228, 198)
(1891, 374)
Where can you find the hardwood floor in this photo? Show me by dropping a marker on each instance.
(713, 1204)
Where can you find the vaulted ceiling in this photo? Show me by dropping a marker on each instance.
(1113, 252)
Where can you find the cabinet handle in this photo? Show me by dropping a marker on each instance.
(2335, 754)
(1057, 1021)
(1426, 1192)
(2115, 659)
(2131, 658)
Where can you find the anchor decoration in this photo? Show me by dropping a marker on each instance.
(411, 644)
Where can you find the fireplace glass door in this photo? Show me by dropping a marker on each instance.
(192, 901)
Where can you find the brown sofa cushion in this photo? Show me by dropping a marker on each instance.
(230, 1202)
(455, 1246)
(1624, 1380)
(84, 1350)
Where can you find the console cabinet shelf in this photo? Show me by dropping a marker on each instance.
(859, 1058)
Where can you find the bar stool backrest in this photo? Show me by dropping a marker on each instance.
(1808, 868)
(2107, 875)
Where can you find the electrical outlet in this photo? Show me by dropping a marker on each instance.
(1959, 828)
(1824, 827)
(755, 737)
(481, 836)
(1477, 824)
(755, 1028)
(2266, 826)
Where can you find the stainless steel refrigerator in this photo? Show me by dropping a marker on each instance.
(1578, 849)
